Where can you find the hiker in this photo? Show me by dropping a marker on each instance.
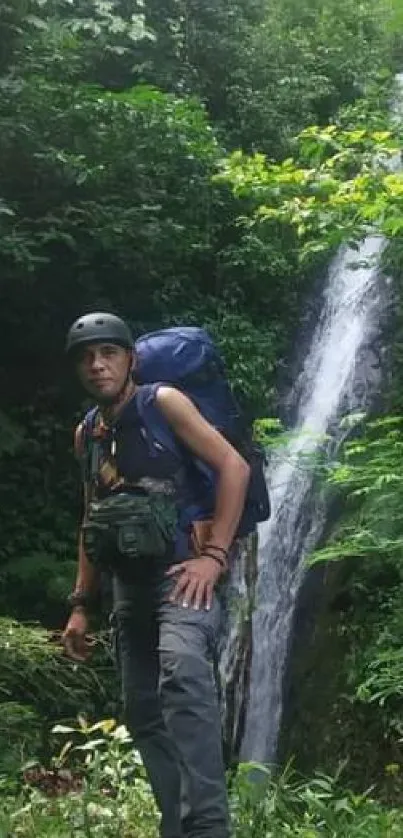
(164, 568)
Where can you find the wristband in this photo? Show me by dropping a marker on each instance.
(80, 599)
(222, 550)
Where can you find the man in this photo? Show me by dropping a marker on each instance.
(166, 613)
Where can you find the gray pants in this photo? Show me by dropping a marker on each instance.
(165, 655)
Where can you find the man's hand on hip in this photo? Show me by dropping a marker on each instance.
(196, 581)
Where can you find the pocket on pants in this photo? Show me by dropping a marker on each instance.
(208, 623)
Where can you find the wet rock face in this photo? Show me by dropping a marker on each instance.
(236, 645)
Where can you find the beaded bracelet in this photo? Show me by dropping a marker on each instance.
(217, 559)
(216, 547)
(81, 599)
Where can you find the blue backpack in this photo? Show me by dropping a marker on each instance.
(187, 358)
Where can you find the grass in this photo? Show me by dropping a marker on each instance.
(288, 806)
(95, 787)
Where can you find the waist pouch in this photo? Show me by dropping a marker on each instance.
(129, 526)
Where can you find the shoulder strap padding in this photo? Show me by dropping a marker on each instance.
(158, 430)
(86, 451)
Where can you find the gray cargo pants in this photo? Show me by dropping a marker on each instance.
(165, 657)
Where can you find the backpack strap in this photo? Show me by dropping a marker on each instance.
(90, 449)
(155, 427)
(158, 431)
(159, 435)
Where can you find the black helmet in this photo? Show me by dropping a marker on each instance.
(99, 326)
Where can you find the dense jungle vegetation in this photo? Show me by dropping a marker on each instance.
(196, 162)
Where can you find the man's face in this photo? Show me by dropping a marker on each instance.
(102, 369)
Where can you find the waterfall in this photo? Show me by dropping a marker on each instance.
(341, 374)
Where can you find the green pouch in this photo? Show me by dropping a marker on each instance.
(131, 525)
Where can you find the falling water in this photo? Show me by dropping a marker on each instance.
(341, 374)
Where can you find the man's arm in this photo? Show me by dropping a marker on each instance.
(87, 579)
(87, 582)
(207, 443)
(197, 577)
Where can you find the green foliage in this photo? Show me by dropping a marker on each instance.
(103, 799)
(298, 66)
(115, 157)
(331, 193)
(20, 736)
(266, 69)
(96, 786)
(39, 510)
(35, 672)
(11, 435)
(370, 474)
(375, 628)
(320, 807)
(267, 431)
(97, 42)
